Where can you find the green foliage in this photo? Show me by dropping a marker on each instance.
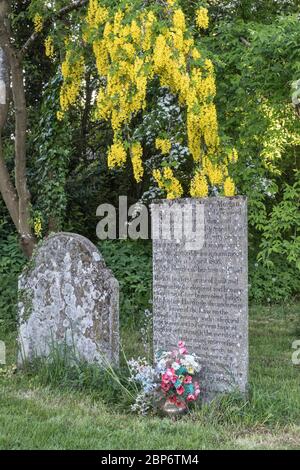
(52, 148)
(131, 264)
(11, 263)
(281, 235)
(276, 274)
(263, 11)
(273, 284)
(256, 65)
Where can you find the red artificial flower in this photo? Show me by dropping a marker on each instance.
(180, 390)
(188, 379)
(191, 397)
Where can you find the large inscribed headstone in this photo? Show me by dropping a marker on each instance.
(200, 286)
(68, 298)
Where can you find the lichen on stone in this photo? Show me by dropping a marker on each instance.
(68, 294)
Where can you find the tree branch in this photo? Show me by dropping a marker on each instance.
(245, 41)
(56, 16)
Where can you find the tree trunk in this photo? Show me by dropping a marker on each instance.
(6, 187)
(17, 199)
(25, 231)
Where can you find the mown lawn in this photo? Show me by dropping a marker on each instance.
(35, 416)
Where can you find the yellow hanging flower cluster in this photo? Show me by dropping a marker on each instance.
(147, 25)
(131, 48)
(229, 187)
(38, 23)
(135, 32)
(101, 55)
(233, 155)
(179, 20)
(116, 155)
(72, 72)
(202, 18)
(167, 181)
(164, 145)
(49, 47)
(37, 227)
(96, 14)
(199, 186)
(124, 69)
(215, 172)
(137, 163)
(215, 175)
(158, 178)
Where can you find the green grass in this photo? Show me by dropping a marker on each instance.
(38, 414)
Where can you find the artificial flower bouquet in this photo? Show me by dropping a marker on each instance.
(171, 383)
(177, 370)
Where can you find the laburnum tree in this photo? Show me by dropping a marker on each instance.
(132, 48)
(136, 46)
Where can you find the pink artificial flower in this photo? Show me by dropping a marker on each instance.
(165, 386)
(191, 397)
(169, 376)
(182, 348)
(197, 392)
(180, 390)
(165, 378)
(188, 379)
(170, 372)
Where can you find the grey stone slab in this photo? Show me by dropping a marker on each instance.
(200, 286)
(67, 296)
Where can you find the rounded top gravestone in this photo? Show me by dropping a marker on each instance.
(69, 298)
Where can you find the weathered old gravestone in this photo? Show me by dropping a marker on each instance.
(200, 286)
(68, 298)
